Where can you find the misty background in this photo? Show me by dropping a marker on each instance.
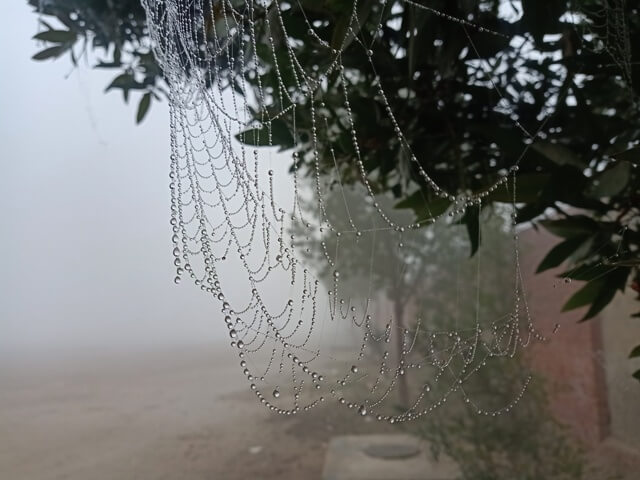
(87, 263)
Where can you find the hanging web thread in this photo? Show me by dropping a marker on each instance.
(227, 216)
(610, 29)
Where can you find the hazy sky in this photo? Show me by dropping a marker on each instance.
(85, 229)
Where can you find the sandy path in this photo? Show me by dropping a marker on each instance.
(172, 414)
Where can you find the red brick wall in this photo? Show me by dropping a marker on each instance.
(570, 362)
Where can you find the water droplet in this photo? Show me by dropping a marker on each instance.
(177, 280)
(362, 410)
(276, 393)
(233, 333)
(354, 369)
(567, 280)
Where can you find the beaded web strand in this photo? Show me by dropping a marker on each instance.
(285, 248)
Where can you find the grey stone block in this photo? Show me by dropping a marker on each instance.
(384, 457)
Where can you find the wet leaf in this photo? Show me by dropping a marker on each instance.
(259, 137)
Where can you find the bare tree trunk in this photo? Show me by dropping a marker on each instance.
(403, 385)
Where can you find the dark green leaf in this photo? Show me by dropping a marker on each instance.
(587, 272)
(56, 36)
(560, 253)
(423, 207)
(51, 52)
(281, 134)
(611, 181)
(635, 352)
(602, 300)
(571, 226)
(636, 375)
(472, 222)
(558, 154)
(143, 106)
(259, 137)
(632, 155)
(528, 189)
(587, 294)
(598, 293)
(107, 65)
(125, 82)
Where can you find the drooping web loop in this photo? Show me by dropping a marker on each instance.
(612, 29)
(280, 259)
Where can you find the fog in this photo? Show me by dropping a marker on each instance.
(85, 231)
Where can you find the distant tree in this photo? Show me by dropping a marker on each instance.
(432, 276)
(378, 266)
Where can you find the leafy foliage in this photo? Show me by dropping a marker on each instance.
(111, 34)
(527, 444)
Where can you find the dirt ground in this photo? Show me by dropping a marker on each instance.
(181, 414)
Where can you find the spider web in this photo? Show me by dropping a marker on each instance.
(296, 268)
